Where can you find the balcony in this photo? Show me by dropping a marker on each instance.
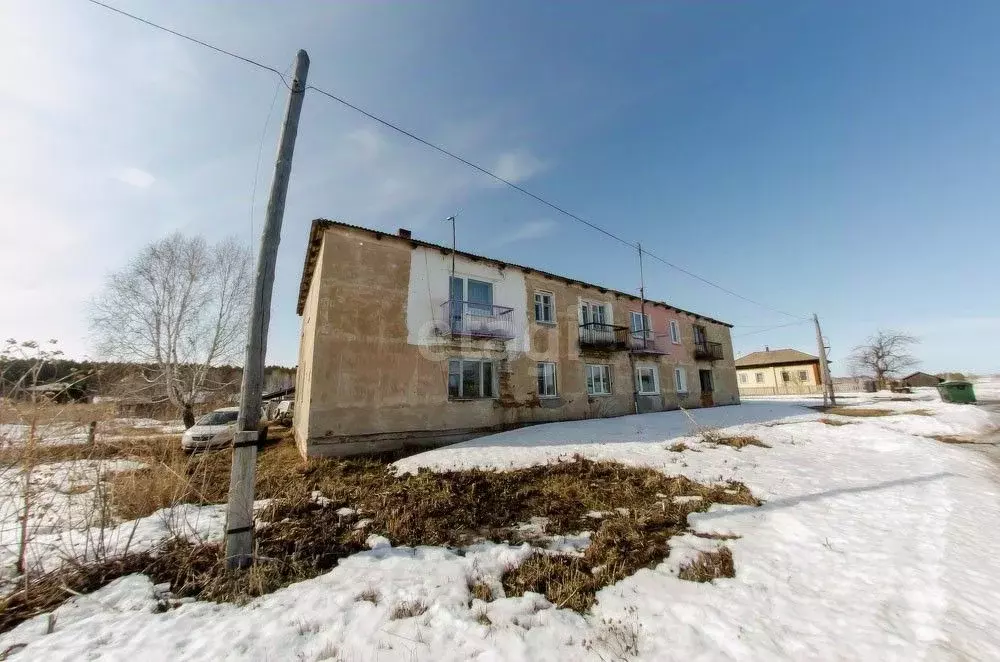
(648, 345)
(469, 319)
(708, 351)
(603, 336)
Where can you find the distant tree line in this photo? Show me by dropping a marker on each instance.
(113, 378)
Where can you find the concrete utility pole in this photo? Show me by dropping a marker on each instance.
(824, 366)
(239, 514)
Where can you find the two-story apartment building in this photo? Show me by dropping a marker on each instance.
(407, 342)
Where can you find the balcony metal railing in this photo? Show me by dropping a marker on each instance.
(710, 351)
(648, 345)
(603, 336)
(478, 320)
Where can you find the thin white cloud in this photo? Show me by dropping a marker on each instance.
(529, 230)
(135, 177)
(518, 166)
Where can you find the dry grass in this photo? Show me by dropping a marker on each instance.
(735, 441)
(408, 609)
(835, 422)
(708, 566)
(481, 591)
(51, 413)
(679, 447)
(952, 439)
(859, 412)
(300, 538)
(368, 595)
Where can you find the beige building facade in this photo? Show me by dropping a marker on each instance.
(778, 372)
(405, 343)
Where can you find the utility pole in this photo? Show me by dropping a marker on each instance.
(454, 244)
(824, 366)
(239, 513)
(642, 297)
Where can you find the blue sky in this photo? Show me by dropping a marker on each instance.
(841, 158)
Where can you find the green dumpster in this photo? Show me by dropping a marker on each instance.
(956, 391)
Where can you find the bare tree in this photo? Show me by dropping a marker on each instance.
(180, 306)
(884, 355)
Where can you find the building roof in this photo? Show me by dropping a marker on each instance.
(320, 225)
(925, 374)
(775, 357)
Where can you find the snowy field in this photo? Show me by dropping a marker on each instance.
(875, 542)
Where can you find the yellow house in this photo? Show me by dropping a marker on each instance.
(778, 372)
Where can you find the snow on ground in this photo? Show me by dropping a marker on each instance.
(874, 542)
(70, 519)
(65, 433)
(987, 388)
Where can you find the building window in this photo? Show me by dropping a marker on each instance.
(743, 378)
(598, 380)
(647, 381)
(759, 377)
(593, 313)
(545, 310)
(680, 380)
(675, 332)
(640, 323)
(471, 378)
(785, 377)
(803, 376)
(547, 380)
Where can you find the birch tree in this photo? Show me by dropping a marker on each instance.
(885, 354)
(179, 307)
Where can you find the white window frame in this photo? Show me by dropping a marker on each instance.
(591, 305)
(803, 375)
(680, 381)
(639, 369)
(786, 376)
(675, 332)
(542, 294)
(555, 379)
(461, 382)
(743, 378)
(758, 377)
(604, 372)
(635, 330)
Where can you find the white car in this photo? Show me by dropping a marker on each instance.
(213, 430)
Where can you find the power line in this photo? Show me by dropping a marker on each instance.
(191, 39)
(771, 328)
(452, 155)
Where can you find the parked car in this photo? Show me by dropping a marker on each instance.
(213, 430)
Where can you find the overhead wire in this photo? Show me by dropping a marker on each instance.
(452, 155)
(771, 328)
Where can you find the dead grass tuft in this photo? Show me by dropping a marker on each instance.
(483, 618)
(834, 421)
(408, 609)
(737, 441)
(717, 536)
(481, 591)
(708, 566)
(951, 439)
(859, 412)
(679, 447)
(368, 595)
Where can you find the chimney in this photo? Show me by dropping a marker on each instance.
(766, 348)
(404, 233)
